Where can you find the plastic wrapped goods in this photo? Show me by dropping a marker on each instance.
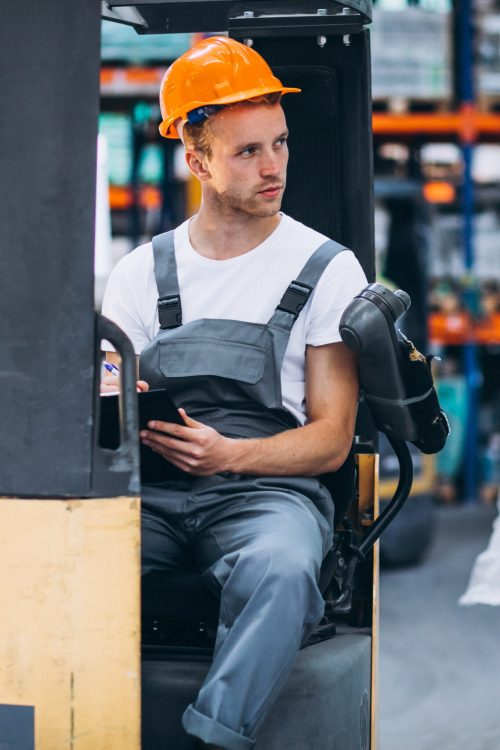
(484, 584)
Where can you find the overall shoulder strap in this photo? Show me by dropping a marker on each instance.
(299, 290)
(169, 299)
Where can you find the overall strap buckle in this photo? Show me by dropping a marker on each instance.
(170, 311)
(295, 298)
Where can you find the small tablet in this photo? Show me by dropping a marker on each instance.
(155, 404)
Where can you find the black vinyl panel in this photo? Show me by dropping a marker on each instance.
(330, 185)
(313, 142)
(49, 58)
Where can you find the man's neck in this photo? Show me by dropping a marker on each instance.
(215, 238)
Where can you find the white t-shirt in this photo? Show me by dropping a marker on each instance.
(247, 287)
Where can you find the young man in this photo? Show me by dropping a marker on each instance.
(267, 390)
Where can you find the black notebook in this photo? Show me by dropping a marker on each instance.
(155, 404)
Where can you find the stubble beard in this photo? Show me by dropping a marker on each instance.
(233, 204)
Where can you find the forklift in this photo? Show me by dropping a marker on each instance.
(89, 659)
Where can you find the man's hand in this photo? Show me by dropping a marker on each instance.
(320, 446)
(195, 448)
(110, 381)
(111, 384)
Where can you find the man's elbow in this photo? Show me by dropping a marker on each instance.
(336, 442)
(337, 459)
(337, 451)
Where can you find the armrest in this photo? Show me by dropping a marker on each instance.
(396, 380)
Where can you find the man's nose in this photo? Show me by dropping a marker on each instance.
(270, 163)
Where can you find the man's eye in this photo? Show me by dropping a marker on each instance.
(282, 142)
(248, 151)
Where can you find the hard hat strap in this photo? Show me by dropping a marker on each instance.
(201, 113)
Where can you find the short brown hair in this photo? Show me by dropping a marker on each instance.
(199, 137)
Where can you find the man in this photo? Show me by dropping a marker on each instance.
(267, 390)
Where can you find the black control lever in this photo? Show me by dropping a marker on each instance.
(348, 553)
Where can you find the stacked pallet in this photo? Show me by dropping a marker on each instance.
(411, 59)
(487, 25)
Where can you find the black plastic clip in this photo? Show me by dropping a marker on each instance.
(170, 311)
(295, 298)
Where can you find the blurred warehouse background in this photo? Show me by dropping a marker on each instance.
(436, 142)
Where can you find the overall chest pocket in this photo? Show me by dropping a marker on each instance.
(191, 357)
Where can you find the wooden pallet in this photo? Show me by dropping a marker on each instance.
(400, 105)
(488, 102)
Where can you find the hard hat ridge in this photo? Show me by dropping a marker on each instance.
(214, 73)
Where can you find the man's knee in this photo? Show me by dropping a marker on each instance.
(275, 584)
(288, 561)
(288, 569)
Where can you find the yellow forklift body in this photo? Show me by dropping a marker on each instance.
(70, 624)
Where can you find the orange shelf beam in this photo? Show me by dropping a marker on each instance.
(460, 328)
(135, 80)
(467, 124)
(122, 198)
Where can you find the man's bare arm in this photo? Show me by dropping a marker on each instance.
(319, 446)
(323, 443)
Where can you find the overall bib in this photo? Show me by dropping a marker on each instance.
(259, 541)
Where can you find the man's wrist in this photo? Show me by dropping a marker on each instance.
(236, 451)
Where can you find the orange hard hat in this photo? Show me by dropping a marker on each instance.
(215, 72)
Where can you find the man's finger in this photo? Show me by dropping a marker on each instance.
(170, 428)
(189, 421)
(180, 447)
(171, 458)
(174, 457)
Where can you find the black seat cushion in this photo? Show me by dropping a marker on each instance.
(178, 595)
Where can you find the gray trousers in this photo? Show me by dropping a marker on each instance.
(259, 541)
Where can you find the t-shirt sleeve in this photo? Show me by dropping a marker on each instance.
(121, 306)
(339, 284)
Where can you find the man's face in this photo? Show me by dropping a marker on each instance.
(249, 160)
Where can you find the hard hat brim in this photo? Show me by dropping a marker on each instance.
(167, 127)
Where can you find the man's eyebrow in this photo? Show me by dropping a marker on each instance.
(243, 146)
(256, 144)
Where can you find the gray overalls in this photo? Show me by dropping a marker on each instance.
(258, 540)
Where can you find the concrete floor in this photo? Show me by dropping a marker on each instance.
(440, 662)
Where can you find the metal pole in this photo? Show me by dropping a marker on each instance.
(466, 94)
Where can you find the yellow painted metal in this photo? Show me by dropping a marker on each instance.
(70, 624)
(423, 482)
(375, 687)
(368, 473)
(368, 502)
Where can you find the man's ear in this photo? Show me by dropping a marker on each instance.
(197, 163)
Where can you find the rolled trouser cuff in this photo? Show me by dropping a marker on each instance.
(213, 732)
